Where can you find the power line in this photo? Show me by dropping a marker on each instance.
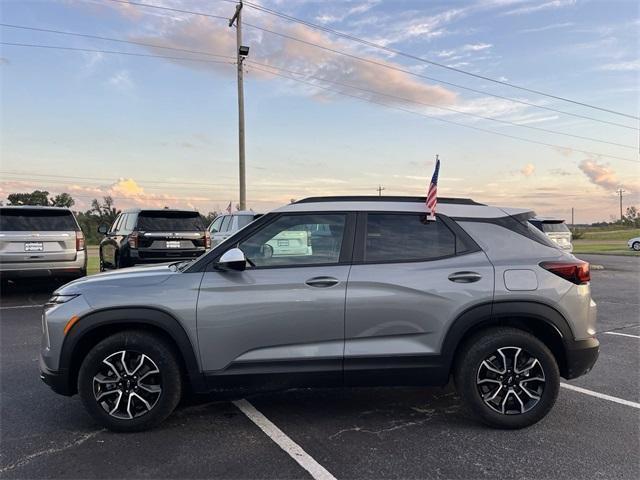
(437, 80)
(430, 62)
(200, 52)
(111, 39)
(431, 105)
(448, 121)
(317, 86)
(380, 64)
(75, 49)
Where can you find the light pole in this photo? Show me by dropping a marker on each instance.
(243, 51)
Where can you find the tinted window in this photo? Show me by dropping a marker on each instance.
(225, 223)
(555, 227)
(244, 220)
(19, 220)
(215, 226)
(297, 240)
(406, 237)
(168, 221)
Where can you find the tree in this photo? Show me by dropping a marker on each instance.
(105, 210)
(631, 217)
(62, 200)
(37, 197)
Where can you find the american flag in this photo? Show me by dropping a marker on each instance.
(432, 195)
(229, 208)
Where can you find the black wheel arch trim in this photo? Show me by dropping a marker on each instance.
(493, 313)
(131, 317)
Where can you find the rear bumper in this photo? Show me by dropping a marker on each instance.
(581, 356)
(160, 256)
(73, 268)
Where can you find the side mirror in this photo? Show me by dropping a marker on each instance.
(103, 228)
(233, 259)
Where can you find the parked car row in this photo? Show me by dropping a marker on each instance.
(48, 242)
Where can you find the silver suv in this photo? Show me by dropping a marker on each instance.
(41, 242)
(382, 296)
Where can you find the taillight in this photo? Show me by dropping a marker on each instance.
(79, 241)
(576, 272)
(133, 240)
(207, 239)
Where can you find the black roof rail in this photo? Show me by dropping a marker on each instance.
(387, 198)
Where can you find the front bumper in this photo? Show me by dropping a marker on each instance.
(581, 356)
(58, 381)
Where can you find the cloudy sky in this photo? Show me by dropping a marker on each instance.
(325, 114)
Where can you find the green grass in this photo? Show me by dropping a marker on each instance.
(611, 247)
(93, 263)
(606, 235)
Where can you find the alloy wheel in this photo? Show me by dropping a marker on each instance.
(510, 381)
(127, 385)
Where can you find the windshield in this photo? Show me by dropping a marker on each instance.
(170, 222)
(25, 220)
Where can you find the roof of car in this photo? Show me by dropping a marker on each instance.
(172, 210)
(454, 207)
(34, 207)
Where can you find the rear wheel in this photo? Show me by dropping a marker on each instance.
(507, 377)
(130, 381)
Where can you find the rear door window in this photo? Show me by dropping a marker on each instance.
(37, 220)
(225, 223)
(161, 221)
(406, 237)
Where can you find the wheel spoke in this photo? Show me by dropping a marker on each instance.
(112, 367)
(526, 390)
(528, 367)
(150, 388)
(100, 378)
(142, 358)
(489, 380)
(146, 404)
(124, 363)
(108, 392)
(117, 405)
(490, 367)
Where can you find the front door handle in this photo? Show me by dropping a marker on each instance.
(322, 282)
(465, 277)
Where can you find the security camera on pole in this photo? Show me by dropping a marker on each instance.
(243, 51)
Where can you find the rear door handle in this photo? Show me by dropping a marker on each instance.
(465, 277)
(322, 282)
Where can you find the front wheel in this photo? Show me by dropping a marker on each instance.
(636, 246)
(130, 381)
(507, 377)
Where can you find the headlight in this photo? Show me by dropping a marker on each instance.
(58, 299)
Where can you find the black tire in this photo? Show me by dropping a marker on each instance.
(636, 246)
(469, 368)
(169, 379)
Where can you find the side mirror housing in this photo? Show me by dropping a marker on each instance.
(233, 259)
(103, 228)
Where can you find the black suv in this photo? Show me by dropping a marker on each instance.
(152, 236)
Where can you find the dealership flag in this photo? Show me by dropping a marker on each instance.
(432, 194)
(229, 208)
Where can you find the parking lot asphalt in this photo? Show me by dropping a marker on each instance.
(352, 433)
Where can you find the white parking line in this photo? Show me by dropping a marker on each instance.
(20, 306)
(294, 450)
(600, 395)
(622, 334)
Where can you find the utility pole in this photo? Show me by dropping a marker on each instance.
(620, 191)
(572, 224)
(242, 53)
(380, 189)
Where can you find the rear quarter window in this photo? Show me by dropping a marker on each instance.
(555, 227)
(19, 220)
(170, 222)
